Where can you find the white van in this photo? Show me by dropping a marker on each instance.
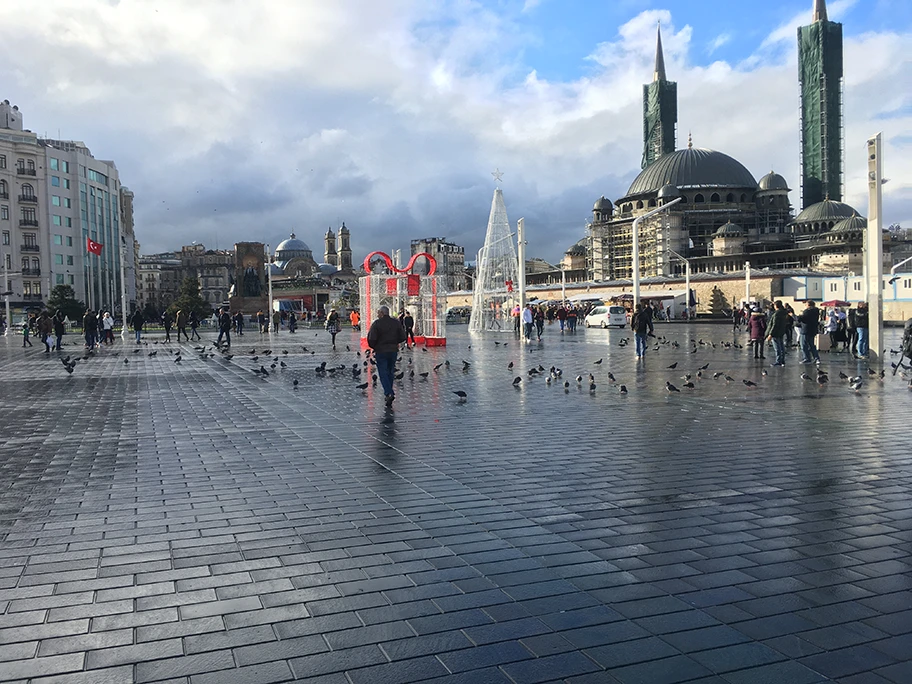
(607, 316)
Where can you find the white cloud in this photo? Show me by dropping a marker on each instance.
(234, 120)
(719, 41)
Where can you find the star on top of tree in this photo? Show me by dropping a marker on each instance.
(498, 175)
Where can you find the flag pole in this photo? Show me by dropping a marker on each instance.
(123, 288)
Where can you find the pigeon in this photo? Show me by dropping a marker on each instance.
(729, 378)
(843, 376)
(856, 384)
(509, 365)
(263, 371)
(437, 367)
(285, 352)
(283, 364)
(126, 361)
(673, 366)
(566, 384)
(764, 372)
(579, 379)
(462, 395)
(704, 366)
(517, 381)
(362, 386)
(688, 385)
(749, 383)
(597, 363)
(592, 387)
(671, 388)
(424, 375)
(611, 377)
(805, 376)
(622, 389)
(398, 376)
(718, 375)
(822, 379)
(295, 383)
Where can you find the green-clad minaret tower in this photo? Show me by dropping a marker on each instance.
(820, 75)
(660, 111)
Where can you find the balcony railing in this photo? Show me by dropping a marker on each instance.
(31, 296)
(22, 171)
(29, 198)
(28, 222)
(31, 271)
(29, 248)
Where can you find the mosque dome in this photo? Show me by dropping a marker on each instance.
(577, 249)
(729, 230)
(327, 269)
(853, 224)
(773, 181)
(692, 167)
(292, 244)
(827, 210)
(603, 205)
(669, 191)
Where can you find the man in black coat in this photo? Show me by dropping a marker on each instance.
(224, 324)
(810, 319)
(384, 337)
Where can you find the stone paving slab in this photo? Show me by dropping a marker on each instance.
(193, 521)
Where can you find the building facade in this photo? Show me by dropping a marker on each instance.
(24, 228)
(450, 259)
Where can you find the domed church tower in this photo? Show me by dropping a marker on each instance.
(329, 251)
(345, 252)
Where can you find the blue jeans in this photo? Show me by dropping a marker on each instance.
(527, 330)
(138, 335)
(386, 366)
(809, 348)
(641, 343)
(862, 341)
(779, 348)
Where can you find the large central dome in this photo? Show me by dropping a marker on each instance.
(693, 168)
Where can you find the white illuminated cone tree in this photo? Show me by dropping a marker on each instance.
(496, 274)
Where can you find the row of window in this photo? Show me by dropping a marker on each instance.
(58, 278)
(60, 165)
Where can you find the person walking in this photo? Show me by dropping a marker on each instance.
(332, 325)
(90, 328)
(276, 321)
(384, 337)
(832, 329)
(182, 320)
(408, 324)
(527, 320)
(539, 315)
(810, 324)
(59, 328)
(756, 327)
(790, 331)
(861, 325)
(224, 324)
(562, 316)
(45, 328)
(107, 328)
(136, 322)
(641, 324)
(26, 333)
(194, 324)
(167, 324)
(239, 323)
(572, 316)
(775, 331)
(292, 321)
(355, 319)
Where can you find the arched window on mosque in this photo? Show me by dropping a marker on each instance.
(743, 197)
(651, 203)
(730, 197)
(639, 204)
(699, 199)
(715, 197)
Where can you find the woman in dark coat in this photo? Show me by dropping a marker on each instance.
(756, 326)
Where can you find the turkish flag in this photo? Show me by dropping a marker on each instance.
(94, 247)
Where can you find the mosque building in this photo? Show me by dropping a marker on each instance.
(294, 260)
(725, 217)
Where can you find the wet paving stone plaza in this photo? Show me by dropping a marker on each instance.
(195, 522)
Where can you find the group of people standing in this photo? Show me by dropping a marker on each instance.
(533, 318)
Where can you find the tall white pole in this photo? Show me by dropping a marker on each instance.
(747, 282)
(687, 287)
(563, 285)
(269, 276)
(6, 289)
(873, 263)
(635, 247)
(521, 257)
(123, 290)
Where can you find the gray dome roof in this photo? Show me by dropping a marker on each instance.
(669, 191)
(603, 204)
(577, 249)
(729, 230)
(292, 244)
(853, 224)
(828, 210)
(327, 269)
(693, 168)
(773, 181)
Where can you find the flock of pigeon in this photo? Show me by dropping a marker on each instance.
(363, 371)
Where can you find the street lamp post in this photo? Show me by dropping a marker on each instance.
(686, 280)
(268, 265)
(873, 265)
(747, 283)
(635, 247)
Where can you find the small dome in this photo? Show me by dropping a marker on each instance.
(292, 244)
(578, 249)
(327, 269)
(669, 191)
(329, 232)
(828, 210)
(343, 229)
(853, 224)
(773, 181)
(603, 205)
(729, 230)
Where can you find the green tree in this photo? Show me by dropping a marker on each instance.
(189, 299)
(63, 298)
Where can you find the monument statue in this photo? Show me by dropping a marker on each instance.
(251, 282)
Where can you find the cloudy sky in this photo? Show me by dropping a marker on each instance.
(248, 119)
